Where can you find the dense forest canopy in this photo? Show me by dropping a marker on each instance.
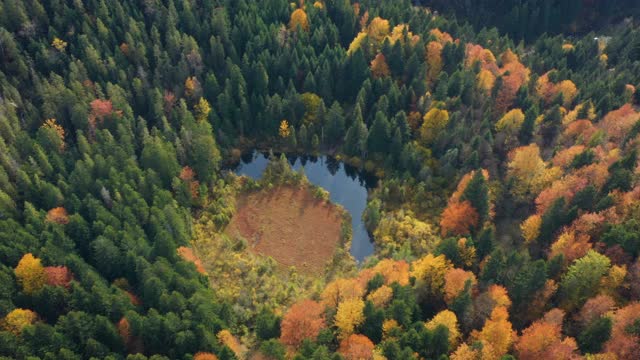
(505, 220)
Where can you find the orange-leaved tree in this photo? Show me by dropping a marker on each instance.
(299, 19)
(58, 276)
(304, 320)
(356, 347)
(544, 340)
(58, 215)
(379, 67)
(458, 218)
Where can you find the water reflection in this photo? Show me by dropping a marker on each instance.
(347, 186)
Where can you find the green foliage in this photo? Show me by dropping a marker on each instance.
(593, 337)
(582, 279)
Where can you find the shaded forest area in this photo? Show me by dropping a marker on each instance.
(529, 19)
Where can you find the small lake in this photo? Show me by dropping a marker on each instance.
(346, 185)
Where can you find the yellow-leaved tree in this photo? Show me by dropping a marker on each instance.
(531, 228)
(350, 314)
(284, 131)
(429, 272)
(433, 122)
(59, 44)
(511, 121)
(497, 335)
(378, 29)
(529, 172)
(17, 320)
(202, 109)
(448, 319)
(340, 290)
(30, 274)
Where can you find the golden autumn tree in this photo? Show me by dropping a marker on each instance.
(429, 272)
(511, 121)
(192, 87)
(349, 315)
(284, 131)
(530, 228)
(448, 319)
(529, 172)
(379, 67)
(497, 335)
(304, 320)
(378, 29)
(17, 320)
(202, 109)
(393, 271)
(458, 218)
(433, 122)
(30, 274)
(340, 290)
(357, 42)
(356, 347)
(486, 80)
(59, 44)
(381, 296)
(571, 245)
(299, 19)
(466, 352)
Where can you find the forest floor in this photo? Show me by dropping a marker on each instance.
(290, 225)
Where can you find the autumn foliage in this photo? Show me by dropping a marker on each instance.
(458, 218)
(304, 320)
(204, 356)
(624, 344)
(349, 315)
(544, 340)
(188, 255)
(299, 19)
(497, 335)
(356, 347)
(379, 67)
(30, 274)
(455, 282)
(341, 290)
(17, 320)
(58, 215)
(58, 276)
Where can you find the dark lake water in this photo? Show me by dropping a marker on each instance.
(346, 185)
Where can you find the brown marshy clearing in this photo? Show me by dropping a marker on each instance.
(289, 224)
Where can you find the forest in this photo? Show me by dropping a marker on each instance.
(504, 137)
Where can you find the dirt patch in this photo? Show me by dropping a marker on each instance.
(290, 225)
